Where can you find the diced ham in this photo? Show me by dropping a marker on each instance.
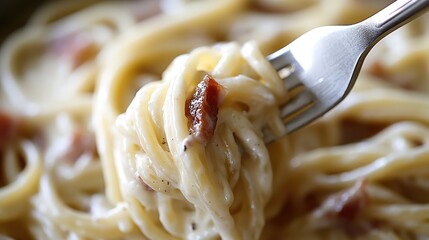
(202, 109)
(76, 48)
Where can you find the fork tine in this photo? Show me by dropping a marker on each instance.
(322, 65)
(291, 113)
(289, 77)
(305, 117)
(292, 82)
(297, 103)
(281, 59)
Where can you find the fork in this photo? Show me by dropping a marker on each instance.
(320, 68)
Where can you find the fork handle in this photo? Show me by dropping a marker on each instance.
(396, 15)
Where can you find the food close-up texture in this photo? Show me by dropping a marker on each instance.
(146, 120)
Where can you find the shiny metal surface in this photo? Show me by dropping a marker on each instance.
(326, 61)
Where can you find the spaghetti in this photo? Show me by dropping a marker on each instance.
(98, 141)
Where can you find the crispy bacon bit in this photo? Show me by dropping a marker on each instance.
(9, 128)
(81, 142)
(344, 209)
(75, 48)
(202, 109)
(145, 186)
(347, 205)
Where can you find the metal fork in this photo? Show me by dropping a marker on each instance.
(320, 67)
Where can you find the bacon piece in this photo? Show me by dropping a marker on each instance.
(347, 205)
(203, 107)
(75, 48)
(81, 142)
(9, 128)
(344, 208)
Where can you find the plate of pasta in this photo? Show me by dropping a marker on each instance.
(145, 119)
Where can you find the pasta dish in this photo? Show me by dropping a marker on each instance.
(145, 119)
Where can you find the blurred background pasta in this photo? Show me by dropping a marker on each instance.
(94, 137)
